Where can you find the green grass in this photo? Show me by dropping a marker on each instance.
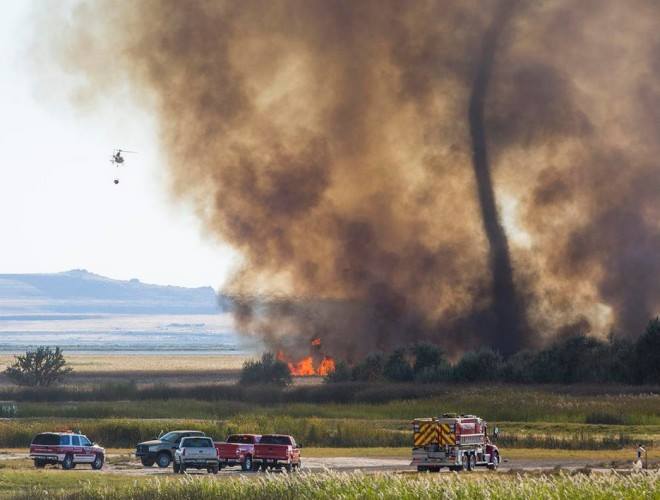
(16, 482)
(323, 432)
(572, 417)
(333, 485)
(494, 403)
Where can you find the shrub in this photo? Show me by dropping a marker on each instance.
(41, 367)
(648, 353)
(483, 365)
(370, 369)
(266, 371)
(341, 373)
(428, 356)
(397, 368)
(519, 367)
(432, 374)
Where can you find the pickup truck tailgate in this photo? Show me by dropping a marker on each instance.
(228, 450)
(270, 451)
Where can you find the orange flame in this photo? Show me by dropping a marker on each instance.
(326, 367)
(305, 366)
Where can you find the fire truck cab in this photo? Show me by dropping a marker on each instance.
(457, 442)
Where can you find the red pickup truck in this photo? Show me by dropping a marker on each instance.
(238, 450)
(277, 451)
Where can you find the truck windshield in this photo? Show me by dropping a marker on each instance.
(170, 437)
(284, 440)
(197, 443)
(241, 439)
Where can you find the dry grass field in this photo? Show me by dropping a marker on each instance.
(144, 368)
(108, 363)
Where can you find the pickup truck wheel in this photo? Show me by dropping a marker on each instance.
(175, 467)
(97, 464)
(264, 466)
(67, 463)
(163, 460)
(214, 470)
(39, 464)
(147, 462)
(247, 464)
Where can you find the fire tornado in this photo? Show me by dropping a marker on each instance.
(508, 315)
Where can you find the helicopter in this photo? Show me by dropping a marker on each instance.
(117, 159)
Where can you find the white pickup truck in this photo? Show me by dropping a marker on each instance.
(196, 452)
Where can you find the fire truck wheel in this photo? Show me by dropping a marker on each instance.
(39, 464)
(247, 464)
(472, 462)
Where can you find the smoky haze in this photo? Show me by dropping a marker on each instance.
(471, 173)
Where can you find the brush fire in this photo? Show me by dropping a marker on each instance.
(314, 364)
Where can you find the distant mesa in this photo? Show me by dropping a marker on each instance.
(80, 291)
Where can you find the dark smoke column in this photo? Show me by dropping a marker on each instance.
(509, 316)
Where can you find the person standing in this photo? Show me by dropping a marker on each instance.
(641, 455)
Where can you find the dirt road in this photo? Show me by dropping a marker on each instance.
(126, 465)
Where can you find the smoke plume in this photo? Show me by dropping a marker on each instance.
(471, 173)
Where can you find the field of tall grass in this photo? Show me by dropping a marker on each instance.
(335, 415)
(324, 432)
(592, 405)
(354, 486)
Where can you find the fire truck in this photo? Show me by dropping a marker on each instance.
(457, 442)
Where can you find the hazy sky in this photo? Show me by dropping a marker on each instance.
(59, 208)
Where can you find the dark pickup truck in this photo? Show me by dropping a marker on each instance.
(161, 451)
(238, 450)
(277, 451)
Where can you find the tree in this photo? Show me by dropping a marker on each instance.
(38, 368)
(370, 369)
(648, 353)
(268, 370)
(482, 365)
(431, 364)
(520, 366)
(397, 368)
